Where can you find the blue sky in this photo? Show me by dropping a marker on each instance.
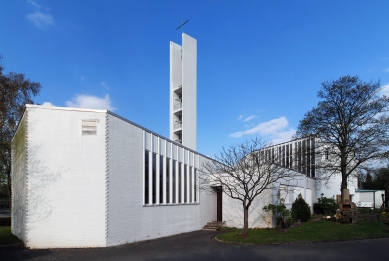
(260, 63)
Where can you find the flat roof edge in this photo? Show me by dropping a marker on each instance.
(64, 108)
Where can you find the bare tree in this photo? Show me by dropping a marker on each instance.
(15, 92)
(351, 124)
(244, 171)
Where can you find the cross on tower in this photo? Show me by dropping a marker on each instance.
(182, 25)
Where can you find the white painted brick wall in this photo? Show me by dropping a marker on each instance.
(258, 218)
(130, 221)
(18, 176)
(77, 197)
(66, 179)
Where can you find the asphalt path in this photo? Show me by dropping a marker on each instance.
(199, 245)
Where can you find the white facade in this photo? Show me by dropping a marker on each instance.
(79, 181)
(300, 156)
(183, 84)
(368, 198)
(89, 178)
(258, 218)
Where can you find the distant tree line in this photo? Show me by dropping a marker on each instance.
(377, 179)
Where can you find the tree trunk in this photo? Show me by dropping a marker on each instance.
(244, 232)
(343, 169)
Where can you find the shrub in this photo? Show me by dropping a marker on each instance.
(282, 215)
(300, 209)
(326, 206)
(384, 217)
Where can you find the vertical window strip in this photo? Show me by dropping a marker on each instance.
(303, 155)
(299, 156)
(195, 184)
(154, 177)
(161, 177)
(287, 155)
(308, 156)
(146, 173)
(295, 156)
(174, 182)
(167, 180)
(179, 182)
(313, 158)
(291, 155)
(185, 184)
(190, 185)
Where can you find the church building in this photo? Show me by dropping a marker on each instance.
(91, 178)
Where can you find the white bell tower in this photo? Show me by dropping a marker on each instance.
(183, 84)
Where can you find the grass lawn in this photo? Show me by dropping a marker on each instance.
(6, 237)
(310, 231)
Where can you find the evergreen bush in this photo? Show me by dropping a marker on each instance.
(300, 209)
(326, 206)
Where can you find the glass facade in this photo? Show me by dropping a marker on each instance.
(297, 155)
(169, 172)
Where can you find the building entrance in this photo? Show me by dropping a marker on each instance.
(219, 204)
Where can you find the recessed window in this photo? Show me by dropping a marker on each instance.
(174, 182)
(154, 177)
(147, 177)
(167, 180)
(179, 182)
(195, 183)
(161, 179)
(185, 184)
(190, 184)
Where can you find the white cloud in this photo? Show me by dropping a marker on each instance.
(103, 83)
(91, 102)
(386, 70)
(34, 3)
(385, 90)
(240, 117)
(275, 130)
(40, 20)
(283, 136)
(250, 118)
(48, 104)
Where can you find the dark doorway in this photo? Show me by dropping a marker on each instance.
(219, 203)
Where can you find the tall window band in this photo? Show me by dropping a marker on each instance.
(170, 173)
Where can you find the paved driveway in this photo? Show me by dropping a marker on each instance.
(200, 246)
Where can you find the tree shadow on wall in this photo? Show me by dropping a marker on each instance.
(40, 177)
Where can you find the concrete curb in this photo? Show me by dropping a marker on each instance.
(294, 242)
